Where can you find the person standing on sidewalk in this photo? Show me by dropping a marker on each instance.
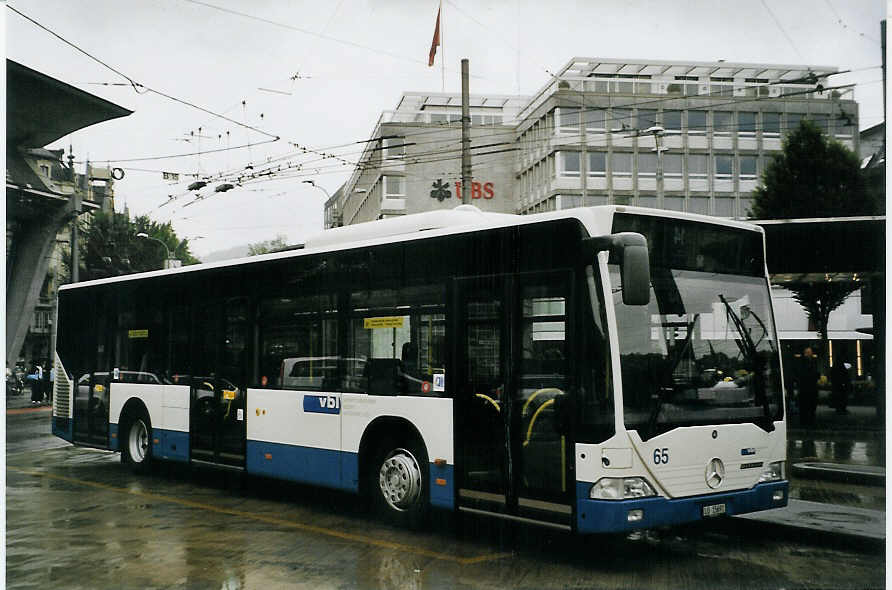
(808, 387)
(842, 384)
(36, 379)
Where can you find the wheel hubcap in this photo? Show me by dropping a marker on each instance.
(139, 441)
(400, 480)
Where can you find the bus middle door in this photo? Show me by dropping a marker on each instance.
(218, 398)
(510, 369)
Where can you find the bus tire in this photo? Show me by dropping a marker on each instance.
(136, 449)
(398, 482)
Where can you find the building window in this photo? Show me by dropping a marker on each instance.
(724, 207)
(394, 147)
(722, 123)
(597, 164)
(822, 121)
(624, 87)
(568, 120)
(771, 124)
(697, 165)
(673, 203)
(646, 119)
(721, 90)
(723, 167)
(394, 186)
(439, 118)
(621, 163)
(699, 205)
(672, 121)
(569, 163)
(746, 124)
(672, 165)
(793, 120)
(45, 170)
(647, 201)
(747, 167)
(647, 165)
(696, 122)
(620, 120)
(845, 126)
(595, 119)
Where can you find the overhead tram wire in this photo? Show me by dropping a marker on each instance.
(316, 170)
(313, 33)
(138, 87)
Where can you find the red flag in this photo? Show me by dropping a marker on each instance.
(435, 42)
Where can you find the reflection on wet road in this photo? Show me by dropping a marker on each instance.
(77, 519)
(842, 450)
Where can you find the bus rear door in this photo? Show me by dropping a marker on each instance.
(218, 396)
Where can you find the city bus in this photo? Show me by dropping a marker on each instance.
(594, 369)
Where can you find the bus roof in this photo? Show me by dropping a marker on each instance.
(461, 219)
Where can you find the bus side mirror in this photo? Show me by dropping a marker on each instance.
(634, 263)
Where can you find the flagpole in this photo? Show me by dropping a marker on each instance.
(442, 50)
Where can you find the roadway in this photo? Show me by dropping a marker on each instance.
(76, 518)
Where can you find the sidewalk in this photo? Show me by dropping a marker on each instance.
(862, 419)
(23, 401)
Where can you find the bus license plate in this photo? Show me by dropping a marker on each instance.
(713, 510)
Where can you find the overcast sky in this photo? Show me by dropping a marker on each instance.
(319, 74)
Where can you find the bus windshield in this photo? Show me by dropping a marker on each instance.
(704, 351)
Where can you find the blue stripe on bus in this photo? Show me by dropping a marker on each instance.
(172, 444)
(601, 516)
(324, 467)
(333, 469)
(62, 427)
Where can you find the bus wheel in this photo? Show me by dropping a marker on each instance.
(399, 483)
(137, 451)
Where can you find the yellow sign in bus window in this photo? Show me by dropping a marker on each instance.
(228, 394)
(383, 322)
(137, 334)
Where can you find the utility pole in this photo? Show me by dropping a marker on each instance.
(76, 210)
(465, 135)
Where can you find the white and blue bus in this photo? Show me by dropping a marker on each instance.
(594, 369)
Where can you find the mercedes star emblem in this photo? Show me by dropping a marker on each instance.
(715, 473)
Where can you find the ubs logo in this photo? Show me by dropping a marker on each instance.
(441, 190)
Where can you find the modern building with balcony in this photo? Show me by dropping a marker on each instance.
(685, 136)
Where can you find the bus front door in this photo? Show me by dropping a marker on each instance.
(218, 396)
(511, 335)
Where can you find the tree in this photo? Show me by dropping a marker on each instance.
(267, 246)
(109, 247)
(814, 177)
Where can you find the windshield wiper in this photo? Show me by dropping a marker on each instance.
(748, 348)
(660, 393)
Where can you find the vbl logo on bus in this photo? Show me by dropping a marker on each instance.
(322, 404)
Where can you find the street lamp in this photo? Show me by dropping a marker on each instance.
(313, 183)
(167, 260)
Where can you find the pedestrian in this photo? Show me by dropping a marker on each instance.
(842, 384)
(36, 379)
(45, 390)
(808, 387)
(52, 384)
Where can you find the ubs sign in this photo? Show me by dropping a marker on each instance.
(479, 190)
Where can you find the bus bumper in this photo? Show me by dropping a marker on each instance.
(607, 516)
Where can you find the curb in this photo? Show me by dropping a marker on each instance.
(26, 410)
(843, 473)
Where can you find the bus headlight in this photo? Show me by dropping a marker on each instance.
(772, 472)
(621, 488)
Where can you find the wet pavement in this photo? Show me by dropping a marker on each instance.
(77, 519)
